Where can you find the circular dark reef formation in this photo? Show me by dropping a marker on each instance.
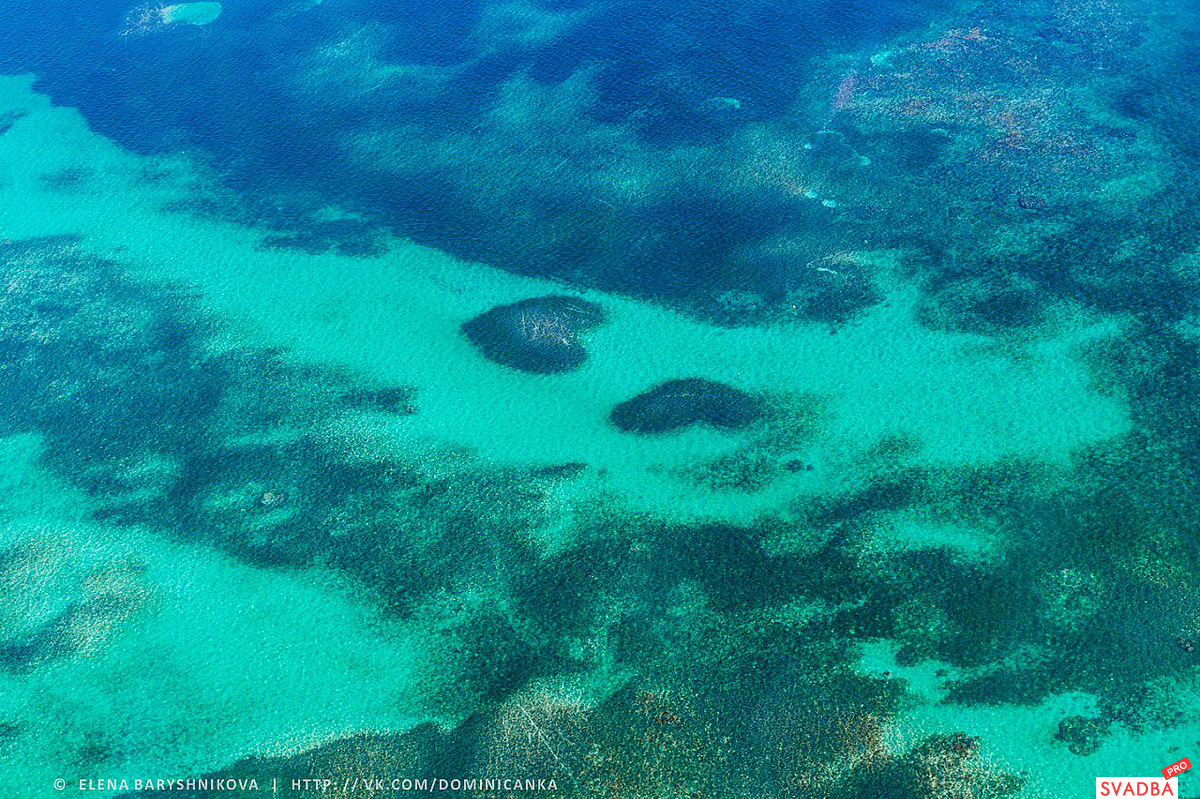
(680, 403)
(538, 335)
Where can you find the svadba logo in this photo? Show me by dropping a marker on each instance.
(1166, 785)
(1118, 787)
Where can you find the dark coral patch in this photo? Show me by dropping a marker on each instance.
(536, 335)
(1032, 202)
(680, 403)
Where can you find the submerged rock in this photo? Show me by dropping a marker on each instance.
(832, 146)
(680, 403)
(1084, 736)
(562, 471)
(538, 335)
(1032, 202)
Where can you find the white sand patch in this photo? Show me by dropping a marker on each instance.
(191, 13)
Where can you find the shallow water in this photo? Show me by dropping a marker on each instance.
(266, 512)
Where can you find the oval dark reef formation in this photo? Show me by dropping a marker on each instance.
(680, 403)
(539, 335)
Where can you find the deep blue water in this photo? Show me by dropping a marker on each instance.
(232, 96)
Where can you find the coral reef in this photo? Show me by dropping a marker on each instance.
(677, 404)
(538, 335)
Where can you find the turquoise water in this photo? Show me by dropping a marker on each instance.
(267, 513)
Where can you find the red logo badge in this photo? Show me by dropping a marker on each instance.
(1175, 768)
